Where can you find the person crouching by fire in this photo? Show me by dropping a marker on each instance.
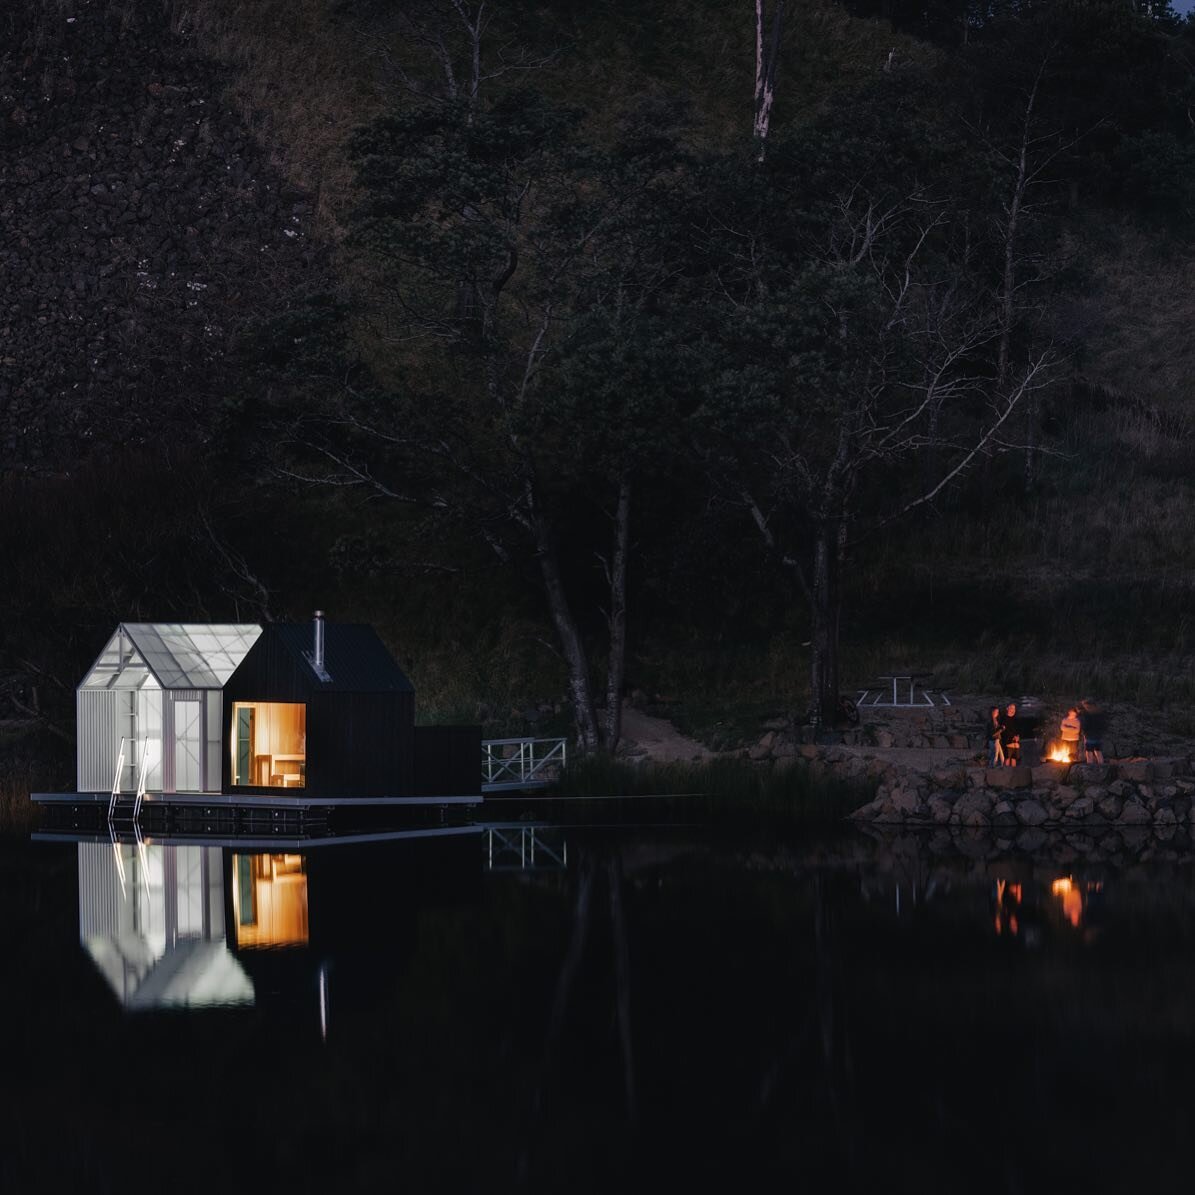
(1011, 736)
(1070, 729)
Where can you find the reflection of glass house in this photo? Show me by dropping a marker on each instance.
(315, 712)
(152, 918)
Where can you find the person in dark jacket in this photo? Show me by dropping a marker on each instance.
(995, 729)
(1094, 724)
(1011, 735)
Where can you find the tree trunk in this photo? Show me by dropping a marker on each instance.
(767, 54)
(580, 689)
(616, 672)
(823, 639)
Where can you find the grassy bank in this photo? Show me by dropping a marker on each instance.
(725, 787)
(17, 811)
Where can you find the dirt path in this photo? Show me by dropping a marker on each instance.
(658, 739)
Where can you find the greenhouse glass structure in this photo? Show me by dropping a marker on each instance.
(150, 709)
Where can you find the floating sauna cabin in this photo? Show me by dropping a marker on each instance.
(318, 712)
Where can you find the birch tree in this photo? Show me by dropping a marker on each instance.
(767, 58)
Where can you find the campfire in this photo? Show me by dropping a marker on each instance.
(1059, 753)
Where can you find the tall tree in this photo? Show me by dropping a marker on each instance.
(520, 266)
(855, 342)
(767, 59)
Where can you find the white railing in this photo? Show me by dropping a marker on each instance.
(149, 756)
(525, 848)
(516, 763)
(117, 779)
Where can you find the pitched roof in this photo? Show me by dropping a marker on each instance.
(177, 655)
(354, 657)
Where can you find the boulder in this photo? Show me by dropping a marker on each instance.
(1050, 773)
(959, 742)
(1004, 814)
(1030, 812)
(1080, 807)
(1008, 778)
(940, 809)
(884, 738)
(1110, 807)
(1089, 773)
(903, 802)
(1134, 814)
(1165, 817)
(976, 801)
(1139, 771)
(948, 777)
(1063, 795)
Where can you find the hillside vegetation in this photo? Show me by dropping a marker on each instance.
(547, 380)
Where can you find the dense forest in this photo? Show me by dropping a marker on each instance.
(718, 354)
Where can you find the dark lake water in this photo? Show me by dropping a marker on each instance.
(598, 1010)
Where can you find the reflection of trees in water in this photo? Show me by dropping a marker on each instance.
(570, 966)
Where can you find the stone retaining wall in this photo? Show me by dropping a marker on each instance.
(1156, 793)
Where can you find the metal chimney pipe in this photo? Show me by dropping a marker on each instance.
(317, 654)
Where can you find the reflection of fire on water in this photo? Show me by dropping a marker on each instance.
(1073, 897)
(1008, 900)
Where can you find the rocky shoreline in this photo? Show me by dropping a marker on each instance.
(1156, 793)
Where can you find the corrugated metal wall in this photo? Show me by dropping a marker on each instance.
(103, 717)
(149, 726)
(103, 912)
(214, 727)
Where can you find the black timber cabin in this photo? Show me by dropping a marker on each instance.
(324, 709)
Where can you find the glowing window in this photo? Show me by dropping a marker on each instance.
(269, 900)
(269, 744)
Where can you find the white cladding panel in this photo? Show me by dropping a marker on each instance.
(214, 726)
(103, 716)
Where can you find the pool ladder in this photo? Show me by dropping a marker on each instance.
(142, 774)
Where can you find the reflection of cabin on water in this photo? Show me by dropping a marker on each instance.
(319, 712)
(194, 926)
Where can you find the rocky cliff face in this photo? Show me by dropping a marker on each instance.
(141, 230)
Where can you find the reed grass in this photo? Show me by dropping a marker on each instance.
(17, 811)
(727, 786)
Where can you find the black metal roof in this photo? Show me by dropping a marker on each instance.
(354, 657)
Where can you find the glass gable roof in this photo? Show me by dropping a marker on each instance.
(171, 655)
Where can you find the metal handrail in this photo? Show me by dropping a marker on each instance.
(523, 765)
(116, 780)
(141, 782)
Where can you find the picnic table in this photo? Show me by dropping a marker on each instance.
(900, 690)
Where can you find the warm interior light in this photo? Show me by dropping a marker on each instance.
(269, 900)
(269, 744)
